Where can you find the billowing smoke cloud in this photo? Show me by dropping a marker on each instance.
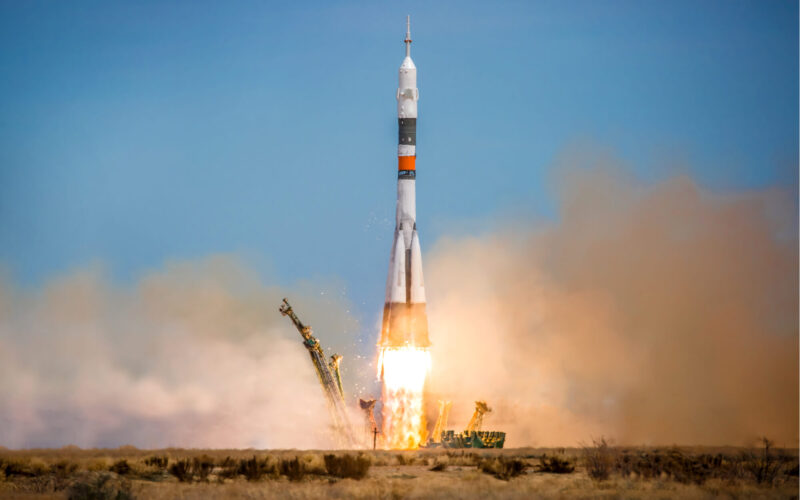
(195, 355)
(649, 314)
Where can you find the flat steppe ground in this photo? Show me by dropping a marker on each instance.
(641, 472)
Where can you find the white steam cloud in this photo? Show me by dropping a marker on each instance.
(196, 356)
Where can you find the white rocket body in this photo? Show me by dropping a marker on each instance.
(405, 321)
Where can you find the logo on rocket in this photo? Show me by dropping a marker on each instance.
(405, 322)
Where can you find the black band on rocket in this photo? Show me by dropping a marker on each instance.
(407, 174)
(408, 131)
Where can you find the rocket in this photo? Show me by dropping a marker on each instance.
(405, 322)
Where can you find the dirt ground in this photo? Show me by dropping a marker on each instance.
(391, 475)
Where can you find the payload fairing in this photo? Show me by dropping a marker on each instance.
(405, 322)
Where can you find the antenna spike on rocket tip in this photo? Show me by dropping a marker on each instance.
(408, 36)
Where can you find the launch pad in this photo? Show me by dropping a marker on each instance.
(471, 437)
(331, 382)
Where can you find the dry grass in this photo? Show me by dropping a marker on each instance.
(347, 466)
(293, 469)
(599, 459)
(439, 466)
(555, 465)
(503, 467)
(182, 470)
(99, 487)
(522, 473)
(159, 462)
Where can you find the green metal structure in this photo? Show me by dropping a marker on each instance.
(472, 437)
(329, 378)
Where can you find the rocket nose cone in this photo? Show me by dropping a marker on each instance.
(408, 63)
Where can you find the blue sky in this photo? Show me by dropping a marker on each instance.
(135, 133)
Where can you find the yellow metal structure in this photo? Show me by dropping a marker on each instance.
(336, 359)
(476, 422)
(472, 437)
(441, 422)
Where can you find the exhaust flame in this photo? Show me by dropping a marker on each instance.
(403, 371)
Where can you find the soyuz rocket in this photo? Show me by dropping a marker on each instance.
(405, 322)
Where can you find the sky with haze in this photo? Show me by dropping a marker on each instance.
(132, 134)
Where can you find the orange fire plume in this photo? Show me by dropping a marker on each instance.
(403, 371)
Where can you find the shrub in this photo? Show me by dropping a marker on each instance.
(599, 459)
(99, 487)
(764, 469)
(440, 463)
(462, 458)
(23, 468)
(254, 469)
(555, 465)
(202, 467)
(293, 469)
(97, 465)
(62, 471)
(502, 467)
(347, 466)
(160, 462)
(63, 468)
(687, 469)
(228, 468)
(182, 469)
(120, 467)
(314, 464)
